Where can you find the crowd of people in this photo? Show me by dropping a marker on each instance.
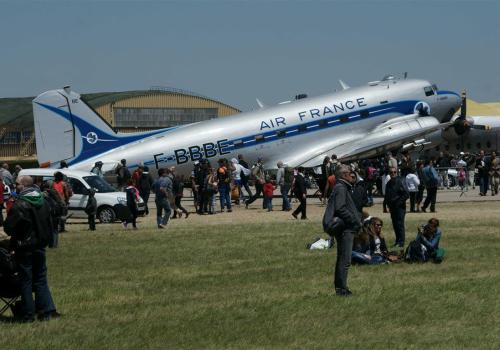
(37, 211)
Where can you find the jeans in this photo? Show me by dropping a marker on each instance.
(268, 202)
(413, 199)
(224, 195)
(162, 205)
(33, 275)
(483, 184)
(284, 189)
(344, 251)
(398, 223)
(431, 198)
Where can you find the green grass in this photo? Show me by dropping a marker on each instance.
(251, 284)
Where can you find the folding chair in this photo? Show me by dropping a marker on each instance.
(9, 293)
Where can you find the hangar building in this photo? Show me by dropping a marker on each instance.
(127, 111)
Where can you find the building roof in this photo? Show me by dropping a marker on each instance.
(18, 112)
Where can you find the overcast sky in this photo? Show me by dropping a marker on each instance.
(235, 51)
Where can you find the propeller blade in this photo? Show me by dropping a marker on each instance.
(463, 108)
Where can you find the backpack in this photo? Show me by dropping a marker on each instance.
(332, 224)
(288, 177)
(42, 233)
(414, 252)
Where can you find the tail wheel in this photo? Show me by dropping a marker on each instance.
(106, 215)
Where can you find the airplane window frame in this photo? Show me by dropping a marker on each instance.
(259, 138)
(429, 91)
(281, 133)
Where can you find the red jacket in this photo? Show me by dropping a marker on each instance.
(268, 189)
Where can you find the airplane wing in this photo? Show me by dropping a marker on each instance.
(384, 137)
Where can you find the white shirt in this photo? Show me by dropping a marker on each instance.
(412, 182)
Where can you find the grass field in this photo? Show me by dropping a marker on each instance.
(245, 280)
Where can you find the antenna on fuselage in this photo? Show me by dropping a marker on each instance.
(344, 85)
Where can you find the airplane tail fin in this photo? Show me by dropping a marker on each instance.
(68, 129)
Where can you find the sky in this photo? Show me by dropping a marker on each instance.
(237, 51)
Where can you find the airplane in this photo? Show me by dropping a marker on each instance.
(353, 123)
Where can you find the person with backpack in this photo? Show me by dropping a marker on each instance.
(259, 178)
(343, 207)
(64, 193)
(29, 225)
(132, 204)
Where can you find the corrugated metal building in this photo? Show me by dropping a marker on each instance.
(127, 111)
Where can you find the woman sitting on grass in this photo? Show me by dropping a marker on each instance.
(429, 236)
(369, 247)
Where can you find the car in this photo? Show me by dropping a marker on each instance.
(107, 197)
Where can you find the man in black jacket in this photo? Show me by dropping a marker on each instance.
(395, 197)
(345, 209)
(300, 192)
(29, 224)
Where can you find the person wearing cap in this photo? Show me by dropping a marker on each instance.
(97, 169)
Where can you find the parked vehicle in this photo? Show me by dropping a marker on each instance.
(81, 182)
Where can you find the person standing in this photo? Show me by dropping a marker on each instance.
(132, 204)
(494, 173)
(161, 187)
(224, 185)
(284, 183)
(431, 182)
(269, 193)
(29, 225)
(144, 186)
(300, 192)
(345, 209)
(2, 187)
(483, 169)
(412, 185)
(395, 197)
(64, 192)
(91, 209)
(178, 190)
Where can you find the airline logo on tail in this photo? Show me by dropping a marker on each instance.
(92, 138)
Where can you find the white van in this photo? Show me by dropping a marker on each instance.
(81, 182)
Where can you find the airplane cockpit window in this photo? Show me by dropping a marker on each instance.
(435, 87)
(429, 91)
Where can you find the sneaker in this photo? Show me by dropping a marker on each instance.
(294, 216)
(343, 292)
(424, 210)
(187, 215)
(161, 226)
(229, 210)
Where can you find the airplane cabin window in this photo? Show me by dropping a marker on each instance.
(259, 138)
(429, 91)
(383, 102)
(343, 119)
(281, 133)
(365, 114)
(323, 123)
(302, 128)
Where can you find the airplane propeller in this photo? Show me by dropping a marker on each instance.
(462, 124)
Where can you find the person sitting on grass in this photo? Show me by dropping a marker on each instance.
(369, 246)
(429, 236)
